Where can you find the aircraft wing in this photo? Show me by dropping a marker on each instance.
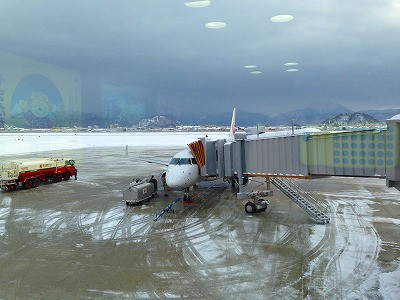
(152, 161)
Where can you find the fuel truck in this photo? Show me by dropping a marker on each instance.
(28, 173)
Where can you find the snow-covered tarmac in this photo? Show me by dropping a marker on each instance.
(77, 239)
(16, 143)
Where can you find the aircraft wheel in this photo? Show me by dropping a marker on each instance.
(36, 182)
(250, 207)
(28, 184)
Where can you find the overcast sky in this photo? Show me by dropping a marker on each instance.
(348, 52)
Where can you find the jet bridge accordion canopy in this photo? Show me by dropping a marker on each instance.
(198, 152)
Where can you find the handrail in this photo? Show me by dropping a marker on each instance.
(302, 198)
(307, 193)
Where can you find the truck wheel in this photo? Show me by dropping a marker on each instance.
(36, 182)
(67, 176)
(28, 184)
(58, 178)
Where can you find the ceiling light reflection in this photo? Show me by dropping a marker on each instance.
(282, 18)
(197, 4)
(215, 25)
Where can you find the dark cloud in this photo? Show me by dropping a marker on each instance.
(348, 52)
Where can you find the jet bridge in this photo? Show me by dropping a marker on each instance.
(362, 153)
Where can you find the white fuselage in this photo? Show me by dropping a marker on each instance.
(182, 172)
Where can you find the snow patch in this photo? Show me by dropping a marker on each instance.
(112, 293)
(386, 220)
(6, 201)
(390, 284)
(316, 236)
(4, 212)
(395, 117)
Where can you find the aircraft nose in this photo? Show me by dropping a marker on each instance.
(172, 180)
(177, 181)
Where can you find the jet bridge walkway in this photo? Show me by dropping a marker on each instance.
(363, 153)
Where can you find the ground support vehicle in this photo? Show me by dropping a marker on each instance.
(139, 191)
(28, 173)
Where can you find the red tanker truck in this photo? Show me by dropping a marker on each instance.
(28, 173)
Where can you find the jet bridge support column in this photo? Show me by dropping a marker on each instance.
(268, 182)
(393, 152)
(239, 167)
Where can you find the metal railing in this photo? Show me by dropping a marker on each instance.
(305, 199)
(309, 195)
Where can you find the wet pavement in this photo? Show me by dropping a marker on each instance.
(78, 239)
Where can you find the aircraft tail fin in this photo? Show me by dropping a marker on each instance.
(232, 130)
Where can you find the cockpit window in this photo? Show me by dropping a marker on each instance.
(185, 161)
(174, 161)
(180, 161)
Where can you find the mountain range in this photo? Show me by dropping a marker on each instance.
(304, 116)
(157, 122)
(351, 119)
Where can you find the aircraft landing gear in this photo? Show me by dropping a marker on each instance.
(187, 197)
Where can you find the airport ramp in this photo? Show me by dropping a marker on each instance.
(303, 198)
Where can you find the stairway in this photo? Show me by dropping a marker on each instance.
(302, 198)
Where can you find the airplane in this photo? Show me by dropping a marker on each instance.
(183, 172)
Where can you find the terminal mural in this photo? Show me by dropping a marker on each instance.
(35, 94)
(2, 107)
(38, 95)
(36, 103)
